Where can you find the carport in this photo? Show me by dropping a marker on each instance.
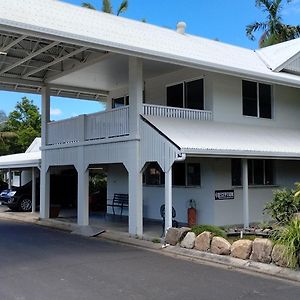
(24, 161)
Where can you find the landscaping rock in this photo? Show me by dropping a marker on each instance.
(220, 246)
(172, 236)
(182, 233)
(261, 250)
(278, 257)
(241, 249)
(203, 241)
(188, 241)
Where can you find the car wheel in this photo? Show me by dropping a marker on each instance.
(25, 204)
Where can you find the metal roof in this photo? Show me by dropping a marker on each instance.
(279, 56)
(31, 157)
(217, 138)
(57, 30)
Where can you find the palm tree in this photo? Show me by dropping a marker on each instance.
(107, 7)
(274, 30)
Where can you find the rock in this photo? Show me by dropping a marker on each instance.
(188, 241)
(172, 236)
(220, 246)
(203, 241)
(278, 257)
(182, 233)
(241, 249)
(261, 250)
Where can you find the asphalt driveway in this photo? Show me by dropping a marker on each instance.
(41, 263)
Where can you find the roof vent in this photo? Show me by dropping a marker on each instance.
(181, 26)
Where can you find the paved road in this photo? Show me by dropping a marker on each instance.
(40, 263)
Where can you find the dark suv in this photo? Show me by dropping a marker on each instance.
(63, 192)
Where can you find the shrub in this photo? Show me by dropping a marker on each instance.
(283, 205)
(197, 229)
(289, 237)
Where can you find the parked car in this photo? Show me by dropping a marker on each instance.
(63, 192)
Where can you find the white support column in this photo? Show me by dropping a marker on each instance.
(136, 86)
(82, 190)
(33, 196)
(135, 188)
(44, 191)
(168, 199)
(45, 173)
(245, 193)
(45, 113)
(9, 178)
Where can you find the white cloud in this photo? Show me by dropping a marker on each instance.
(55, 112)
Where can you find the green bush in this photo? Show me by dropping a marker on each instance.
(289, 237)
(197, 229)
(283, 205)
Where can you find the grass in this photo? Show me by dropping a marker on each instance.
(217, 231)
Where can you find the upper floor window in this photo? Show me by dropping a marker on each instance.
(183, 174)
(257, 99)
(187, 94)
(260, 172)
(119, 102)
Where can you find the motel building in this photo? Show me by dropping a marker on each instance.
(186, 117)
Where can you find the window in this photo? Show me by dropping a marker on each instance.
(153, 174)
(257, 99)
(188, 94)
(183, 174)
(119, 102)
(260, 172)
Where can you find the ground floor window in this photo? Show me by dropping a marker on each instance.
(260, 172)
(183, 174)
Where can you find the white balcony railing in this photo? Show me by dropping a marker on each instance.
(102, 125)
(176, 112)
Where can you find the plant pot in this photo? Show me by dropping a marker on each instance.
(54, 211)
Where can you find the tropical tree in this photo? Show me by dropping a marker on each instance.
(273, 29)
(23, 126)
(107, 6)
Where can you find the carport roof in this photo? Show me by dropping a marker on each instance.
(21, 160)
(211, 138)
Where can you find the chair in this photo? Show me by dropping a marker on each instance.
(162, 214)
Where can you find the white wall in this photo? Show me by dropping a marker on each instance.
(215, 175)
(223, 95)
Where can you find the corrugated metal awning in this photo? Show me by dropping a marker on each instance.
(225, 139)
(21, 160)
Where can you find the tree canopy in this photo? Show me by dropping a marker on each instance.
(273, 29)
(24, 124)
(107, 6)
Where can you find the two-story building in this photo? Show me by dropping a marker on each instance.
(186, 117)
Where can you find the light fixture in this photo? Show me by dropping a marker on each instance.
(3, 53)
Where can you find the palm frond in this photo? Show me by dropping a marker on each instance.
(123, 7)
(88, 5)
(251, 28)
(106, 6)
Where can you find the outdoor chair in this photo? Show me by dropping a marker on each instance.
(162, 214)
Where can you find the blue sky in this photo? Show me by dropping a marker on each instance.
(222, 19)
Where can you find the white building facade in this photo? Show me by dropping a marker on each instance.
(186, 118)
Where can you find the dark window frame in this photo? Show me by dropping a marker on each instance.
(184, 84)
(263, 110)
(268, 178)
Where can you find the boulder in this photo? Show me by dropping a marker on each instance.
(261, 250)
(172, 236)
(188, 241)
(203, 241)
(182, 233)
(278, 257)
(241, 249)
(220, 246)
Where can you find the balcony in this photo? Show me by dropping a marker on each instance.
(112, 123)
